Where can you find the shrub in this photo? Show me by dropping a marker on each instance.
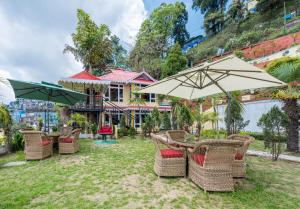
(165, 120)
(131, 132)
(94, 128)
(17, 142)
(213, 134)
(274, 124)
(147, 126)
(54, 129)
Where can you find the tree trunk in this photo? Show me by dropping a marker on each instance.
(291, 108)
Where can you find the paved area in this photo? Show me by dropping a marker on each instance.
(268, 155)
(11, 164)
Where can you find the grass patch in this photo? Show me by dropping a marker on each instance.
(121, 176)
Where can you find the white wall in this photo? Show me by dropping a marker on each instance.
(253, 111)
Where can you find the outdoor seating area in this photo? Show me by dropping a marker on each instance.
(211, 164)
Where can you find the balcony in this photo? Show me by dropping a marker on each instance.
(92, 103)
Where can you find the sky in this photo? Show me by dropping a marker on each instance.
(33, 34)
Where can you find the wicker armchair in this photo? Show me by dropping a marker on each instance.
(37, 145)
(169, 160)
(66, 131)
(239, 164)
(176, 135)
(69, 144)
(212, 170)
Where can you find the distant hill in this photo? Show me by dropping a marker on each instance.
(253, 29)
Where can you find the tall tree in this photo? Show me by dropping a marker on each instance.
(156, 36)
(213, 11)
(180, 34)
(92, 44)
(119, 53)
(174, 62)
(288, 70)
(236, 11)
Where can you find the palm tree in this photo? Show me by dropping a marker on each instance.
(201, 118)
(289, 72)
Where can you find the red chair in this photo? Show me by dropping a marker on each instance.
(104, 131)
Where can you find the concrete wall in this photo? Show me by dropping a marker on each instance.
(253, 111)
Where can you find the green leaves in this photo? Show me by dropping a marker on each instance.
(174, 62)
(92, 44)
(157, 33)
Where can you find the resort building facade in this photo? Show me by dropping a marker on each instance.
(113, 95)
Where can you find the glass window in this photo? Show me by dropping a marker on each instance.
(121, 93)
(114, 94)
(152, 98)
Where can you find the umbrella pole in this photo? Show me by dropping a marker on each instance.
(228, 113)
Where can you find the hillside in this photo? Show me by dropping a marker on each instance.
(253, 29)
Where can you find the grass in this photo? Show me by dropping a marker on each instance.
(121, 176)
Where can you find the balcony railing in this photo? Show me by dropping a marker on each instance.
(93, 102)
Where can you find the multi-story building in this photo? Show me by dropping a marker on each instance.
(113, 95)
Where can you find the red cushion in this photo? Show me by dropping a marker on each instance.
(67, 140)
(199, 158)
(169, 153)
(238, 156)
(45, 142)
(105, 130)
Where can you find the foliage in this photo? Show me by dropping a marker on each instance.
(266, 5)
(94, 128)
(119, 54)
(201, 118)
(131, 132)
(288, 70)
(17, 142)
(123, 122)
(156, 118)
(213, 134)
(156, 35)
(2, 140)
(92, 44)
(236, 122)
(274, 124)
(40, 123)
(165, 120)
(147, 126)
(213, 11)
(77, 120)
(174, 62)
(239, 53)
(54, 128)
(180, 34)
(236, 11)
(181, 113)
(5, 118)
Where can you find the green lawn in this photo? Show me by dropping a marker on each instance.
(121, 176)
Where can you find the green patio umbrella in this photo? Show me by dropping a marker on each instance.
(46, 91)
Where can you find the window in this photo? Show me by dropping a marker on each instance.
(139, 118)
(114, 93)
(147, 97)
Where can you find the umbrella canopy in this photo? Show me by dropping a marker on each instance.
(46, 91)
(222, 76)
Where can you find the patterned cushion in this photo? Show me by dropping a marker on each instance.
(169, 153)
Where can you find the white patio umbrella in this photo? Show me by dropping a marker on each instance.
(222, 76)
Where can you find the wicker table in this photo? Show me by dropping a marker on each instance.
(54, 137)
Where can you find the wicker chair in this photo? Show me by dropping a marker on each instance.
(66, 131)
(37, 145)
(169, 160)
(69, 144)
(176, 135)
(212, 170)
(239, 164)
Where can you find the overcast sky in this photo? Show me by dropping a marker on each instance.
(33, 33)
